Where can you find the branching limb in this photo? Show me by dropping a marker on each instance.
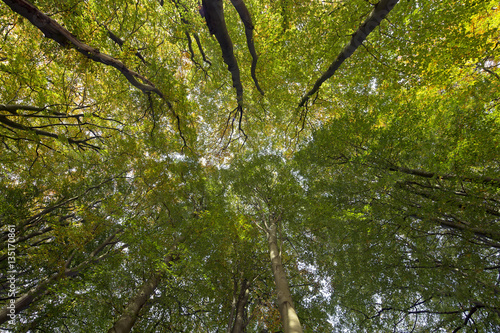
(120, 43)
(188, 36)
(379, 13)
(245, 17)
(191, 53)
(467, 318)
(235, 116)
(43, 287)
(431, 175)
(82, 143)
(58, 33)
(200, 48)
(214, 15)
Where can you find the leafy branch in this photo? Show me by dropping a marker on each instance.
(378, 14)
(62, 36)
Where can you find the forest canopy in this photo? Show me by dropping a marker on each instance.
(249, 166)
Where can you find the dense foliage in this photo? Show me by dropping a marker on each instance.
(249, 166)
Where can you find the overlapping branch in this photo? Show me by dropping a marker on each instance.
(58, 33)
(80, 137)
(43, 287)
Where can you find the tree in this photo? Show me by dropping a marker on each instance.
(249, 166)
(266, 201)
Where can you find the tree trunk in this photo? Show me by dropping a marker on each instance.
(289, 318)
(234, 304)
(129, 315)
(26, 299)
(136, 303)
(240, 320)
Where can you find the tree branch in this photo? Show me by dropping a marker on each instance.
(245, 17)
(214, 15)
(378, 14)
(58, 33)
(426, 174)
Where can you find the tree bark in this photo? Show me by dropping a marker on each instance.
(246, 18)
(381, 10)
(240, 320)
(136, 303)
(129, 315)
(214, 16)
(234, 304)
(289, 318)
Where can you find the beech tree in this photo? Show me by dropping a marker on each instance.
(249, 166)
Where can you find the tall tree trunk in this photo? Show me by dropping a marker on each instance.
(240, 320)
(234, 304)
(136, 303)
(129, 315)
(289, 318)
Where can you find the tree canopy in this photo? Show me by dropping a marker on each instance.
(249, 166)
